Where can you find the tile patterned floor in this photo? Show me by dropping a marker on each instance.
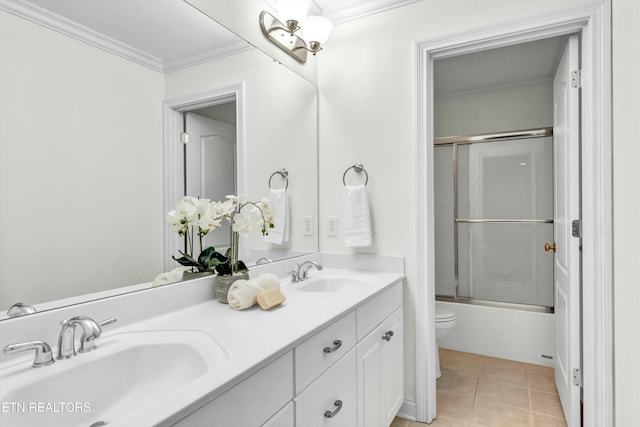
(481, 391)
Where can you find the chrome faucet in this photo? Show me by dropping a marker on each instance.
(91, 330)
(303, 269)
(20, 309)
(263, 260)
(43, 351)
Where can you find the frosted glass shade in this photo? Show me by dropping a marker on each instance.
(317, 29)
(293, 10)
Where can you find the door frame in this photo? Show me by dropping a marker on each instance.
(173, 155)
(592, 23)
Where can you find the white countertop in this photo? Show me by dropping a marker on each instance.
(251, 338)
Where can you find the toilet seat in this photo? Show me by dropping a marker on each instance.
(444, 316)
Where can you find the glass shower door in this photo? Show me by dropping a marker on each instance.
(493, 216)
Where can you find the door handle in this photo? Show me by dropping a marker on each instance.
(548, 247)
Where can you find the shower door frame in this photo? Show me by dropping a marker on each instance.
(455, 141)
(593, 23)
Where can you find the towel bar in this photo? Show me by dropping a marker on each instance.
(359, 168)
(284, 174)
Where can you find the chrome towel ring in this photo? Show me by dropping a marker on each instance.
(284, 174)
(359, 168)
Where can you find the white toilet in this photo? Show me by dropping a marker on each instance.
(445, 321)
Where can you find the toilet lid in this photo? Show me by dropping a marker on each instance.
(443, 315)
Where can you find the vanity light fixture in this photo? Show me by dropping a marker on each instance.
(289, 36)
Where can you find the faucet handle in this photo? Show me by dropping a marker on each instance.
(294, 276)
(43, 351)
(108, 321)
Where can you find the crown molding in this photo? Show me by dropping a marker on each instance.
(342, 12)
(79, 32)
(206, 56)
(60, 24)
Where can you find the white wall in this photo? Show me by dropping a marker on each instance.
(367, 114)
(505, 108)
(626, 209)
(80, 167)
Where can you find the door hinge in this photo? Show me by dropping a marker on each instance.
(577, 377)
(576, 228)
(576, 79)
(184, 137)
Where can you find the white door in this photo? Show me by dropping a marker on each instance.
(211, 166)
(566, 138)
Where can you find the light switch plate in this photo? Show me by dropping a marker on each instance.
(307, 225)
(332, 226)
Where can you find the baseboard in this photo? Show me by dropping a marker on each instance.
(408, 410)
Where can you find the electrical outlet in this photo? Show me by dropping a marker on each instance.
(332, 226)
(307, 226)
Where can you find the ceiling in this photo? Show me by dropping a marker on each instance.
(506, 66)
(168, 36)
(173, 35)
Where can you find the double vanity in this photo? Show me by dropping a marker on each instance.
(332, 354)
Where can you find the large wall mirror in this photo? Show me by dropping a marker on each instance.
(83, 145)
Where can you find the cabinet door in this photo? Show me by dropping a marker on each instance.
(331, 399)
(369, 361)
(392, 367)
(380, 371)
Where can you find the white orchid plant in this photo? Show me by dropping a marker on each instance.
(193, 217)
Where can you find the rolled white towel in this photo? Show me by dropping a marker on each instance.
(268, 281)
(172, 276)
(243, 294)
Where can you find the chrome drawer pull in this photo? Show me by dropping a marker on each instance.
(336, 345)
(387, 335)
(338, 405)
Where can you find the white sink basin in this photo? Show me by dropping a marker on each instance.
(330, 283)
(127, 372)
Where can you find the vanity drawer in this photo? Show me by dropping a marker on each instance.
(322, 350)
(379, 308)
(284, 418)
(250, 403)
(335, 392)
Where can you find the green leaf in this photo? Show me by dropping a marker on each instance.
(188, 261)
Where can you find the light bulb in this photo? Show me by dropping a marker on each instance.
(293, 10)
(316, 31)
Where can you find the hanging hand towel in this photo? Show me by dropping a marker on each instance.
(277, 199)
(357, 222)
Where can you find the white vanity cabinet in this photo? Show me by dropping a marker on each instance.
(253, 402)
(331, 399)
(348, 374)
(380, 372)
(284, 418)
